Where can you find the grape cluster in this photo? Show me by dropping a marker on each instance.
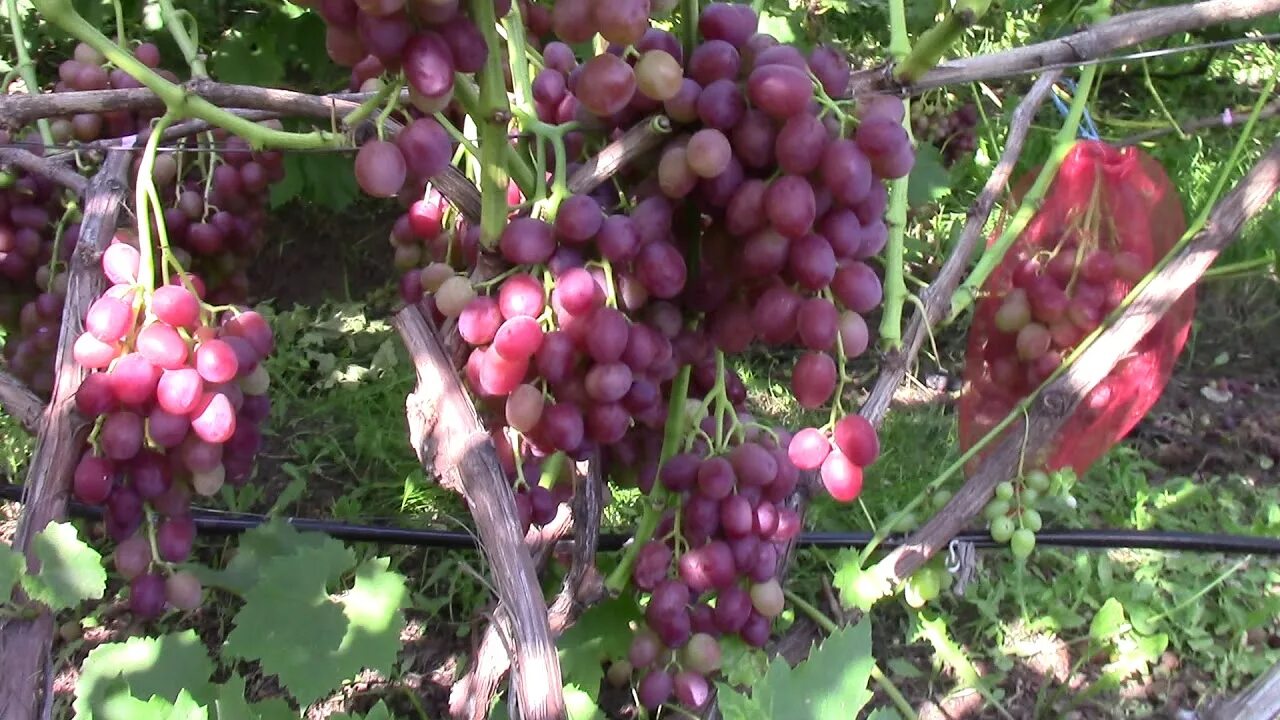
(87, 69)
(218, 209)
(953, 132)
(429, 40)
(715, 571)
(177, 393)
(756, 222)
(1013, 514)
(39, 229)
(1057, 297)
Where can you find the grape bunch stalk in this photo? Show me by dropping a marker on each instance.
(606, 321)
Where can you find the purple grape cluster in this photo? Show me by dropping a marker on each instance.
(713, 571)
(954, 132)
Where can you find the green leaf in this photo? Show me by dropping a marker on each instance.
(1107, 622)
(777, 26)
(602, 633)
(736, 706)
(246, 59)
(158, 666)
(312, 642)
(930, 180)
(581, 704)
(900, 668)
(231, 705)
(885, 713)
(273, 539)
(289, 624)
(857, 587)
(330, 179)
(70, 570)
(10, 571)
(831, 684)
(377, 712)
(741, 663)
(374, 619)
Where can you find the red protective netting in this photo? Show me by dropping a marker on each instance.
(1108, 217)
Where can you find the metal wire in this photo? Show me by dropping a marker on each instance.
(216, 523)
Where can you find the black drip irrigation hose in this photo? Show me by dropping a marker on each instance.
(221, 524)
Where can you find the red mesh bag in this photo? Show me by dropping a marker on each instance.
(1108, 217)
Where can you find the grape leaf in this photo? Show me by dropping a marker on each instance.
(831, 684)
(602, 633)
(247, 58)
(880, 713)
(289, 624)
(736, 706)
(70, 570)
(374, 619)
(581, 704)
(312, 642)
(273, 539)
(741, 663)
(930, 180)
(857, 587)
(777, 26)
(10, 571)
(231, 705)
(149, 666)
(330, 179)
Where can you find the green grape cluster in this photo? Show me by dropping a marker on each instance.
(1014, 513)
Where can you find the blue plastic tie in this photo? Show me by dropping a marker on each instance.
(1088, 130)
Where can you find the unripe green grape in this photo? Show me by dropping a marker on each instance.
(1022, 543)
(1037, 480)
(1004, 490)
(1002, 529)
(995, 509)
(1031, 520)
(940, 498)
(1030, 496)
(906, 523)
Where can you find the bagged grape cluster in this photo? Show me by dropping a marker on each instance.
(177, 395)
(1109, 215)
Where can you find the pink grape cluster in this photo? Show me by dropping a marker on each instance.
(177, 396)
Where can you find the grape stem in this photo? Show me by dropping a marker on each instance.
(493, 113)
(830, 627)
(26, 69)
(648, 522)
(145, 189)
(1063, 142)
(367, 108)
(895, 288)
(935, 41)
(689, 26)
(467, 96)
(899, 42)
(188, 42)
(64, 15)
